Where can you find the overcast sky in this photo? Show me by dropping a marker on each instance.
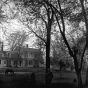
(14, 25)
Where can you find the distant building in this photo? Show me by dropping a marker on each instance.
(27, 57)
(3, 59)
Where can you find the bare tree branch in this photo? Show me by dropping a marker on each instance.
(35, 33)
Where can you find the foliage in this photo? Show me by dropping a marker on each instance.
(73, 51)
(60, 52)
(59, 11)
(17, 39)
(2, 16)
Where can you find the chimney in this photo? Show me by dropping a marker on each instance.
(26, 45)
(2, 46)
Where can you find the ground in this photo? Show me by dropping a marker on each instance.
(21, 79)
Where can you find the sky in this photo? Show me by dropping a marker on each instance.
(14, 25)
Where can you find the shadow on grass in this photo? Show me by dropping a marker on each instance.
(63, 85)
(23, 81)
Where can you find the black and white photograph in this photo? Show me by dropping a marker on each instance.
(43, 44)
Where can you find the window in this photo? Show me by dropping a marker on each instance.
(0, 54)
(9, 54)
(36, 56)
(30, 55)
(30, 62)
(0, 61)
(22, 56)
(4, 62)
(20, 63)
(9, 62)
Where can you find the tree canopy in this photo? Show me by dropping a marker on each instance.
(46, 14)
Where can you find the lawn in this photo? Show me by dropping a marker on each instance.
(22, 76)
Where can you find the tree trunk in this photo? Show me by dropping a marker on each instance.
(79, 80)
(48, 53)
(48, 27)
(47, 56)
(60, 72)
(87, 76)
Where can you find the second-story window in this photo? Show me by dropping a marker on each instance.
(9, 62)
(22, 56)
(0, 61)
(30, 62)
(30, 55)
(4, 62)
(20, 62)
(9, 55)
(36, 55)
(0, 54)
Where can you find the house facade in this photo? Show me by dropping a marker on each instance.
(2, 59)
(28, 57)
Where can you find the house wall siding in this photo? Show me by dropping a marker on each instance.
(2, 64)
(29, 58)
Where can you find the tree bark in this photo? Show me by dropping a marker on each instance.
(48, 51)
(50, 21)
(79, 80)
(78, 72)
(87, 76)
(47, 55)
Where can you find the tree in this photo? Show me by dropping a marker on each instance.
(62, 10)
(40, 45)
(17, 39)
(86, 24)
(1, 46)
(36, 8)
(2, 16)
(58, 48)
(73, 51)
(2, 19)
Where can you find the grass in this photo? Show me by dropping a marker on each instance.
(23, 80)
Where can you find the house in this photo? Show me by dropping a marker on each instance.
(2, 59)
(28, 57)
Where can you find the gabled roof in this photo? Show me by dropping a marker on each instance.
(25, 49)
(14, 54)
(4, 52)
(30, 50)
